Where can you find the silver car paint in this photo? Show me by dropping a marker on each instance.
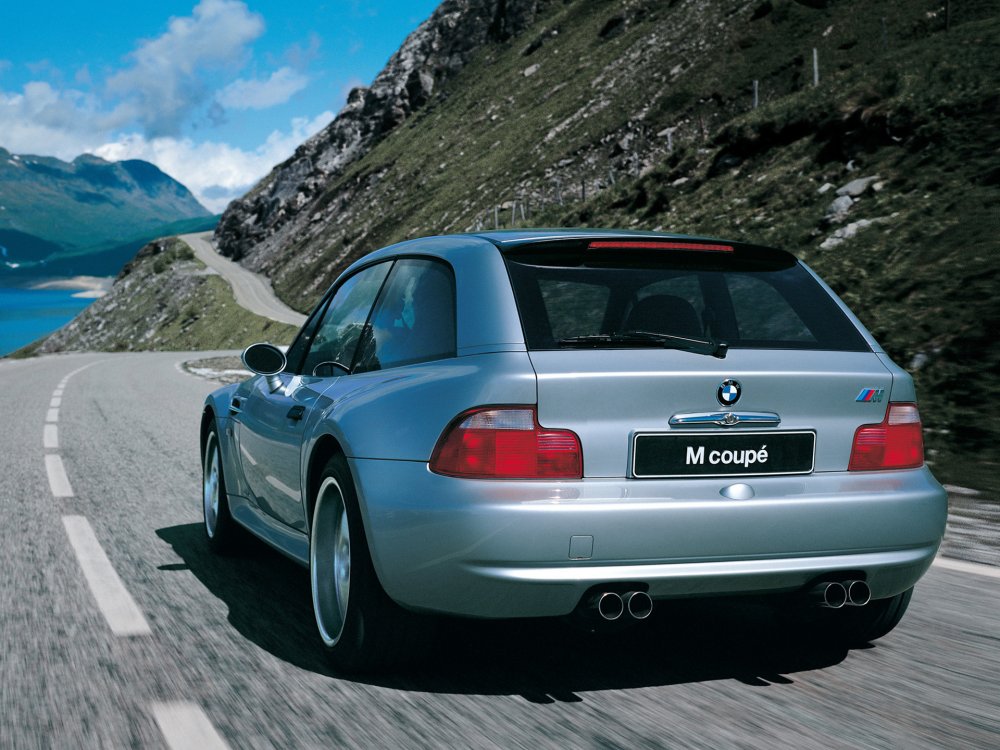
(496, 549)
(502, 549)
(605, 395)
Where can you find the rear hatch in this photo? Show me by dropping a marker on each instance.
(693, 358)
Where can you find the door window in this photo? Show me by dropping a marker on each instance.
(337, 336)
(414, 318)
(297, 351)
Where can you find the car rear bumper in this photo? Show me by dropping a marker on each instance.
(520, 548)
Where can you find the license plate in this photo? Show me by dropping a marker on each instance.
(689, 454)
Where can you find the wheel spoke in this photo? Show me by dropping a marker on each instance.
(210, 485)
(330, 561)
(342, 561)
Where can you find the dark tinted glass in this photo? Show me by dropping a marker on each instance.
(337, 335)
(414, 318)
(297, 351)
(752, 298)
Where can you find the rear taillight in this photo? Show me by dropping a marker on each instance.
(896, 443)
(506, 443)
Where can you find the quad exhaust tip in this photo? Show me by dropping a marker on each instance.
(611, 605)
(834, 595)
(858, 593)
(830, 594)
(639, 604)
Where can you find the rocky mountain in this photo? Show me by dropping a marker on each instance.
(267, 217)
(54, 210)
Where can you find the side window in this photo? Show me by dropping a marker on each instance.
(297, 351)
(414, 319)
(337, 336)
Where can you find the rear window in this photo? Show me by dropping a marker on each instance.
(749, 298)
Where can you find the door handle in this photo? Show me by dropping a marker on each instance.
(234, 406)
(296, 413)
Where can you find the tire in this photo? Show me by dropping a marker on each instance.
(859, 625)
(224, 535)
(360, 627)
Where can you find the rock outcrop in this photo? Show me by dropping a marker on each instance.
(255, 227)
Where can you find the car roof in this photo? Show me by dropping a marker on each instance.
(514, 239)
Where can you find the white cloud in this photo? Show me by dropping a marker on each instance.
(215, 172)
(166, 81)
(43, 120)
(185, 76)
(278, 89)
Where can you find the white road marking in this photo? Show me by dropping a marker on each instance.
(50, 436)
(58, 481)
(954, 489)
(56, 402)
(57, 392)
(961, 566)
(113, 599)
(78, 369)
(52, 415)
(184, 725)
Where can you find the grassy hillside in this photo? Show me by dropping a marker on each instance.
(639, 114)
(163, 300)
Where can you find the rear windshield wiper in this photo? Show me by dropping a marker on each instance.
(646, 338)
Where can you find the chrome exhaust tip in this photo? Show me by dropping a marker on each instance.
(639, 604)
(858, 593)
(610, 606)
(829, 594)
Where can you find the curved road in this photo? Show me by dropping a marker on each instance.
(251, 290)
(121, 630)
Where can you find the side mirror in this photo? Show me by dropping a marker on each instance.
(264, 359)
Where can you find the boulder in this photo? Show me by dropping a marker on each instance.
(839, 207)
(858, 187)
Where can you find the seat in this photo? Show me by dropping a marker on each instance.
(664, 313)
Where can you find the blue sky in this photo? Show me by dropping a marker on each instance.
(214, 92)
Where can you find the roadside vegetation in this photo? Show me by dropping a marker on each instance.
(164, 300)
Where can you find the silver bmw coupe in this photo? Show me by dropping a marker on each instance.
(536, 424)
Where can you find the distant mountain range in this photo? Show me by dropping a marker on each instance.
(88, 216)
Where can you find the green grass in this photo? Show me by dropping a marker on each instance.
(164, 300)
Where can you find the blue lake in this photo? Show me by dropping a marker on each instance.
(29, 314)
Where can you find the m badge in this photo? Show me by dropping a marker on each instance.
(729, 392)
(871, 395)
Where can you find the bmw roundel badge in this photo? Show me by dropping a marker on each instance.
(729, 392)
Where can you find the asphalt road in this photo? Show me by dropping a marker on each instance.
(135, 636)
(252, 291)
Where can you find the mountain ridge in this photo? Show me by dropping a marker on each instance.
(84, 205)
(429, 57)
